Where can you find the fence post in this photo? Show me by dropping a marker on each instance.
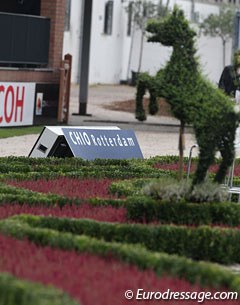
(64, 89)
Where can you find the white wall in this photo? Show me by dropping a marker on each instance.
(106, 50)
(72, 38)
(209, 50)
(109, 55)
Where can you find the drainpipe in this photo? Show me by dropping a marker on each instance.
(193, 10)
(84, 55)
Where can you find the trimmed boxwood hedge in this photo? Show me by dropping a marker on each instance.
(35, 168)
(146, 209)
(200, 243)
(11, 194)
(201, 273)
(122, 240)
(14, 291)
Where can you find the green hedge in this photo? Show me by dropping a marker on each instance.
(146, 209)
(35, 168)
(200, 243)
(14, 291)
(11, 194)
(202, 273)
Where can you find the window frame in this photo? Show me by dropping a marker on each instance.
(108, 18)
(67, 16)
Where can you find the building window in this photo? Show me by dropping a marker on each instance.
(108, 18)
(130, 16)
(67, 15)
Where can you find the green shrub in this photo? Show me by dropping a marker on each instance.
(173, 191)
(208, 192)
(204, 274)
(147, 209)
(128, 187)
(11, 194)
(14, 291)
(209, 243)
(168, 190)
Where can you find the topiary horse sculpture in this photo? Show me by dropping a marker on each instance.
(192, 98)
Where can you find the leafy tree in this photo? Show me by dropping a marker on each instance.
(141, 11)
(220, 25)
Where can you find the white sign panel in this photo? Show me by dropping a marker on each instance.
(16, 103)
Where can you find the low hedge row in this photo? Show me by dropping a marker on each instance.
(128, 187)
(139, 208)
(146, 209)
(202, 273)
(11, 194)
(201, 243)
(30, 168)
(14, 291)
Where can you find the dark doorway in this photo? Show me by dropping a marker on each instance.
(28, 7)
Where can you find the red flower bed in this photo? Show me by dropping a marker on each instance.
(88, 278)
(68, 187)
(175, 167)
(107, 213)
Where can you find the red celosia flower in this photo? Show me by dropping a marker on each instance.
(88, 278)
(69, 187)
(106, 213)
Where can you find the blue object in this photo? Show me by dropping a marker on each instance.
(91, 144)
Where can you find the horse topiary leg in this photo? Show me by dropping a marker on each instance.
(227, 153)
(226, 144)
(141, 89)
(153, 105)
(206, 158)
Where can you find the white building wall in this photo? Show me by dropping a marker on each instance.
(106, 50)
(209, 50)
(109, 56)
(72, 38)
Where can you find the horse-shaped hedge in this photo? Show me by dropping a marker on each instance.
(192, 98)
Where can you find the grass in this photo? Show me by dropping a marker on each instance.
(7, 132)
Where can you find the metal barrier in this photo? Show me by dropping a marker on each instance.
(190, 160)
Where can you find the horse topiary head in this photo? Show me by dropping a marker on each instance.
(174, 30)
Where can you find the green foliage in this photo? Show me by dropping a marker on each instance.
(10, 194)
(129, 187)
(220, 25)
(173, 191)
(147, 209)
(7, 132)
(168, 190)
(23, 168)
(142, 10)
(193, 99)
(161, 263)
(209, 243)
(162, 9)
(14, 291)
(141, 88)
(145, 81)
(208, 191)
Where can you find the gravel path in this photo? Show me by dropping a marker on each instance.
(156, 136)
